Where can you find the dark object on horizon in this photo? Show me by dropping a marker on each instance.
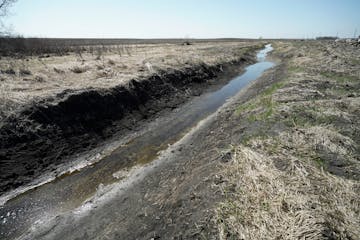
(326, 38)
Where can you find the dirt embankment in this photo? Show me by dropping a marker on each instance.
(46, 133)
(30, 78)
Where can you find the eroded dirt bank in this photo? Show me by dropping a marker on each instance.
(46, 133)
(280, 161)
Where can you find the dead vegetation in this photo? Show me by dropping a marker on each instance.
(301, 201)
(78, 69)
(104, 66)
(296, 174)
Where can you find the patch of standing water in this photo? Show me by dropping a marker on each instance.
(216, 99)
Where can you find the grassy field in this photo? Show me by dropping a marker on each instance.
(296, 174)
(28, 78)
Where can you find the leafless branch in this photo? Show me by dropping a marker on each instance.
(4, 8)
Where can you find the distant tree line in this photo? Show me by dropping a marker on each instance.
(327, 38)
(19, 46)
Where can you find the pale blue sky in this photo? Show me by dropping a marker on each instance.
(185, 18)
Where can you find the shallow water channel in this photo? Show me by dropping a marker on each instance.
(71, 191)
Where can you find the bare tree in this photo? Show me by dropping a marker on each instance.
(4, 6)
(4, 10)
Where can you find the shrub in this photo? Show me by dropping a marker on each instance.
(100, 67)
(24, 72)
(78, 69)
(40, 78)
(60, 71)
(8, 71)
(111, 62)
(106, 73)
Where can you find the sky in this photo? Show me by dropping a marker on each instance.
(185, 18)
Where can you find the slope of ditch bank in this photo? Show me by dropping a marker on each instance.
(71, 192)
(294, 170)
(47, 133)
(165, 197)
(253, 170)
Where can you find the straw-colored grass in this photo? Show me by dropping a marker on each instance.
(300, 202)
(74, 71)
(280, 185)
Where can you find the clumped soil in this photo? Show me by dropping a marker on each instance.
(48, 132)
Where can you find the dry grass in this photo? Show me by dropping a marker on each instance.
(77, 69)
(300, 182)
(299, 202)
(117, 65)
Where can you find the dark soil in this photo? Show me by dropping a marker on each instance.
(47, 133)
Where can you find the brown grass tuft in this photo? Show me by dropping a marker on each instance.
(78, 69)
(303, 202)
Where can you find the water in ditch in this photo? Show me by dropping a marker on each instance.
(69, 192)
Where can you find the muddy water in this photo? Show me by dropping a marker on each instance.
(70, 191)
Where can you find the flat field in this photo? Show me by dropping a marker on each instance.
(27, 78)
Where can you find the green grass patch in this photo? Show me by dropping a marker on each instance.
(319, 161)
(312, 156)
(260, 109)
(296, 69)
(265, 206)
(273, 88)
(263, 101)
(267, 110)
(231, 208)
(355, 61)
(308, 119)
(248, 106)
(339, 77)
(310, 115)
(297, 120)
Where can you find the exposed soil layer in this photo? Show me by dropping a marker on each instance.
(32, 78)
(165, 198)
(45, 134)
